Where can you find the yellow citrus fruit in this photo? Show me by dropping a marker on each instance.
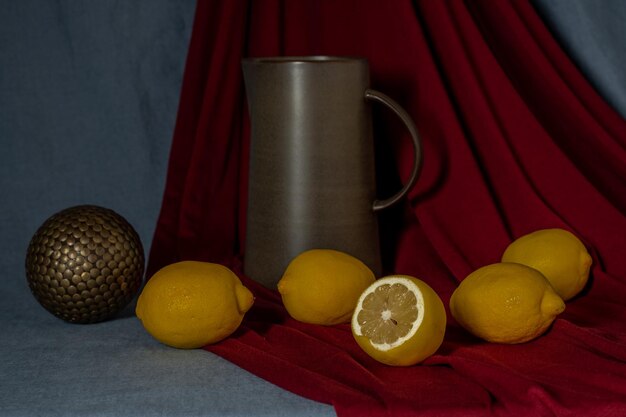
(506, 303)
(191, 304)
(557, 254)
(321, 286)
(399, 320)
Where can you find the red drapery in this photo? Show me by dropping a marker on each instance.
(514, 140)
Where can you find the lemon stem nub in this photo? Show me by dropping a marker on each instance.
(245, 299)
(552, 304)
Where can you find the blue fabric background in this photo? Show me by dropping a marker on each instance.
(88, 99)
(593, 33)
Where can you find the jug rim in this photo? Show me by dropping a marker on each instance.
(303, 59)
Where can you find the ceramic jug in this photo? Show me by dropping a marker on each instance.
(311, 180)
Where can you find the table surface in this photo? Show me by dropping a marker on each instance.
(53, 368)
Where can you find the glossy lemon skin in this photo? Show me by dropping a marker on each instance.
(506, 303)
(191, 304)
(558, 254)
(322, 286)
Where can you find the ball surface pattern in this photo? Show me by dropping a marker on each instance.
(85, 264)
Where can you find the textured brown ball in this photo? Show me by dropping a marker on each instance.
(84, 264)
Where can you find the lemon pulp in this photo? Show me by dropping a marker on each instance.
(399, 320)
(391, 314)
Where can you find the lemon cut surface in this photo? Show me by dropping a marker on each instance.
(399, 320)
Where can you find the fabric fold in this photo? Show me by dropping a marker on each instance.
(514, 140)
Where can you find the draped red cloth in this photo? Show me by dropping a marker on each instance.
(514, 140)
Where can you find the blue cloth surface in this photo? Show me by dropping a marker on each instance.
(88, 99)
(593, 34)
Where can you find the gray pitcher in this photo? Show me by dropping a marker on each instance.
(312, 182)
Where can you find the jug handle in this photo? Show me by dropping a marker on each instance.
(417, 158)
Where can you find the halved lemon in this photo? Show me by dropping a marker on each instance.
(399, 320)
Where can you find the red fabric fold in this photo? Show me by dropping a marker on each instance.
(514, 140)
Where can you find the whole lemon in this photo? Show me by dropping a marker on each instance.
(190, 304)
(557, 254)
(399, 320)
(322, 286)
(506, 303)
